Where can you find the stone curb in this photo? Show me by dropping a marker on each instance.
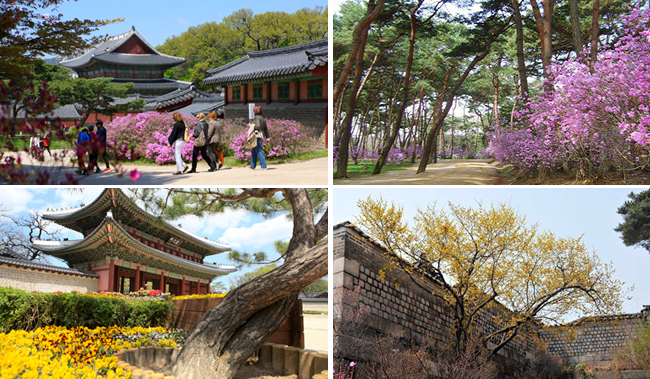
(285, 360)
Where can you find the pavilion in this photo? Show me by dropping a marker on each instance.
(129, 248)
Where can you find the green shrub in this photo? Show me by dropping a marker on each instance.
(24, 310)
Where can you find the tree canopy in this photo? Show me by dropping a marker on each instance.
(635, 228)
(214, 44)
(485, 256)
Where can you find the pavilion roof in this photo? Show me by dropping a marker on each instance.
(204, 105)
(87, 217)
(104, 52)
(179, 96)
(272, 63)
(110, 238)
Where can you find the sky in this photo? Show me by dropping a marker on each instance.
(243, 231)
(158, 20)
(567, 212)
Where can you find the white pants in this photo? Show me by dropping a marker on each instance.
(178, 145)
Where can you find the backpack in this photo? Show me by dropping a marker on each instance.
(186, 135)
(200, 140)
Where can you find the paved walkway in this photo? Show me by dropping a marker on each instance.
(309, 173)
(446, 172)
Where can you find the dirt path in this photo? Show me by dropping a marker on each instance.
(446, 172)
(309, 173)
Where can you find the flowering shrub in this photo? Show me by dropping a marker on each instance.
(286, 139)
(208, 296)
(138, 135)
(588, 121)
(141, 295)
(58, 352)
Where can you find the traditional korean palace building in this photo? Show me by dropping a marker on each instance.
(289, 83)
(128, 248)
(128, 57)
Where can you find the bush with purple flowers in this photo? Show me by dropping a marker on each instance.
(593, 119)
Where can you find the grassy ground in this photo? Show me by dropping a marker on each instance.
(234, 162)
(365, 168)
(22, 142)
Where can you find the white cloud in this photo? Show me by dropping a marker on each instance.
(182, 20)
(73, 198)
(209, 224)
(16, 200)
(260, 234)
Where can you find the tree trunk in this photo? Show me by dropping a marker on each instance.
(521, 59)
(544, 29)
(575, 26)
(453, 118)
(229, 333)
(360, 39)
(388, 144)
(594, 32)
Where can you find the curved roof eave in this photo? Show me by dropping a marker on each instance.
(53, 247)
(59, 216)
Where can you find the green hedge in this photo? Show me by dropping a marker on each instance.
(24, 310)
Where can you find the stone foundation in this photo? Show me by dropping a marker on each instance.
(45, 281)
(157, 362)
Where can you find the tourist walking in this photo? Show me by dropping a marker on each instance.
(200, 143)
(101, 139)
(46, 143)
(93, 152)
(260, 134)
(33, 146)
(214, 140)
(82, 144)
(176, 139)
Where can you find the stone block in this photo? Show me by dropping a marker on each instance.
(320, 362)
(306, 360)
(635, 374)
(278, 358)
(338, 265)
(291, 360)
(266, 354)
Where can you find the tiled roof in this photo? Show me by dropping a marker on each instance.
(43, 266)
(179, 96)
(154, 83)
(66, 112)
(104, 52)
(204, 105)
(270, 63)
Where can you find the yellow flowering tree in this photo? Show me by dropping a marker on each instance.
(484, 256)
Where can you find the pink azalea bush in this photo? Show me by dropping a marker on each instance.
(588, 122)
(286, 139)
(139, 135)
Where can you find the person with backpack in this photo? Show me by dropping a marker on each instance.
(260, 133)
(214, 141)
(46, 143)
(200, 143)
(177, 139)
(93, 153)
(82, 144)
(101, 138)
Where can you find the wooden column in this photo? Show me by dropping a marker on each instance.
(296, 92)
(225, 95)
(137, 279)
(162, 281)
(268, 93)
(111, 276)
(182, 286)
(245, 93)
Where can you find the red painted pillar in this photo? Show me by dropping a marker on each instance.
(296, 92)
(137, 279)
(162, 281)
(182, 286)
(111, 276)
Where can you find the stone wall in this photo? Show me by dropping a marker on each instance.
(398, 305)
(592, 341)
(44, 281)
(412, 311)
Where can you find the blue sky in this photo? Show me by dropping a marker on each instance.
(568, 212)
(243, 231)
(159, 20)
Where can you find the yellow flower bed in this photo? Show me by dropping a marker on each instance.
(208, 296)
(57, 352)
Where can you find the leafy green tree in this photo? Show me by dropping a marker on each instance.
(318, 286)
(26, 34)
(635, 228)
(247, 277)
(95, 95)
(218, 287)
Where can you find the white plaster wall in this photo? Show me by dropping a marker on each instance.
(44, 281)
